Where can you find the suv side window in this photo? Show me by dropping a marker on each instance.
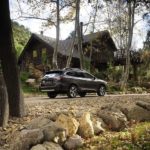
(71, 74)
(79, 75)
(86, 75)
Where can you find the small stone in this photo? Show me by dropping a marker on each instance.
(30, 82)
(73, 142)
(98, 127)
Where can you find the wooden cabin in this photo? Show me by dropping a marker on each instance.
(103, 48)
(38, 52)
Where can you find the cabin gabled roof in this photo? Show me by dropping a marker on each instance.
(99, 38)
(102, 39)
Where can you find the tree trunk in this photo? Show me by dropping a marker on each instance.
(131, 10)
(9, 62)
(79, 34)
(72, 47)
(93, 28)
(4, 107)
(135, 72)
(91, 52)
(94, 19)
(120, 26)
(55, 65)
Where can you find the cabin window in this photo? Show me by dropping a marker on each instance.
(44, 56)
(34, 54)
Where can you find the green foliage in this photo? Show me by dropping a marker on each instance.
(144, 69)
(113, 88)
(134, 138)
(24, 76)
(148, 75)
(21, 36)
(44, 56)
(136, 89)
(27, 88)
(87, 65)
(111, 74)
(100, 75)
(114, 73)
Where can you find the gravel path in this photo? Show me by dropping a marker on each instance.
(90, 103)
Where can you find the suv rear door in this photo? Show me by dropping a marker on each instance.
(90, 81)
(76, 77)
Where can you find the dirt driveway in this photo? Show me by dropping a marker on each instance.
(90, 103)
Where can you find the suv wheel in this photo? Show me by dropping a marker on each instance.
(101, 90)
(82, 94)
(73, 91)
(51, 94)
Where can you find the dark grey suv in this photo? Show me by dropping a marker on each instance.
(73, 82)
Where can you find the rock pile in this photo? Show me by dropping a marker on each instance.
(68, 131)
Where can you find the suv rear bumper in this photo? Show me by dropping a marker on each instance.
(57, 88)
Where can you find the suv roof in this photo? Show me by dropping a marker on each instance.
(66, 69)
(74, 69)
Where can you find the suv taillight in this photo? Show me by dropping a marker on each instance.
(60, 78)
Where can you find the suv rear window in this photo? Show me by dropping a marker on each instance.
(53, 73)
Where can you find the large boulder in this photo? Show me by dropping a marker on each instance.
(38, 123)
(73, 142)
(69, 123)
(28, 138)
(31, 82)
(47, 146)
(115, 121)
(137, 112)
(86, 129)
(52, 146)
(38, 147)
(144, 105)
(54, 132)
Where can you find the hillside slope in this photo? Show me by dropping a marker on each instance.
(21, 36)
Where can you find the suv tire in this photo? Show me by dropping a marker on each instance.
(101, 90)
(51, 94)
(73, 91)
(82, 94)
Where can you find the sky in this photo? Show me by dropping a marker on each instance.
(35, 26)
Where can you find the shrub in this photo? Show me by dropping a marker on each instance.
(24, 76)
